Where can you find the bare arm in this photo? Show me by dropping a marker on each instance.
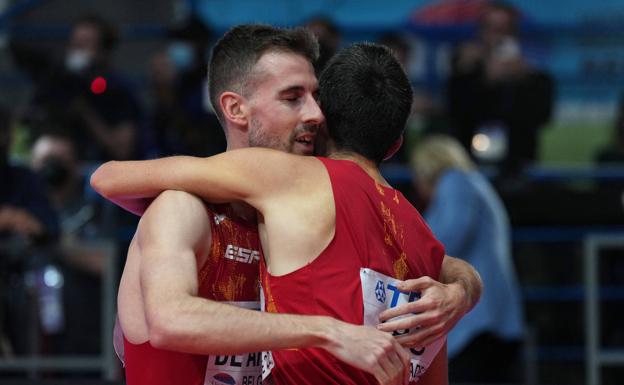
(168, 238)
(441, 306)
(458, 272)
(240, 175)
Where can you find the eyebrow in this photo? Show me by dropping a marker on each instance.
(293, 89)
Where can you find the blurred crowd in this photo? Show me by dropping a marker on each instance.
(84, 111)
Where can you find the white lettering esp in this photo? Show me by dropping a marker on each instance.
(241, 254)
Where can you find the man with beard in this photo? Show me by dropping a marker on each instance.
(267, 99)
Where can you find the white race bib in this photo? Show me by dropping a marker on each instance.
(244, 369)
(379, 292)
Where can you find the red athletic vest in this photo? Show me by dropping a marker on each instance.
(230, 274)
(377, 229)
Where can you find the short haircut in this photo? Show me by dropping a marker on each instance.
(235, 54)
(366, 98)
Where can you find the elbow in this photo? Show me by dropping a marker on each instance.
(161, 332)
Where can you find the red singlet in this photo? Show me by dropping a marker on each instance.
(376, 228)
(230, 274)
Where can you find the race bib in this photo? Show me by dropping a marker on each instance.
(380, 292)
(243, 369)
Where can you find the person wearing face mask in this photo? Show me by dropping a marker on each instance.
(83, 93)
(28, 227)
(104, 113)
(181, 119)
(83, 225)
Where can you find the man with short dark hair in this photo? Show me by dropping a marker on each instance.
(323, 251)
(187, 255)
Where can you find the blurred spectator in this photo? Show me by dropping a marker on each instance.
(399, 46)
(614, 152)
(181, 119)
(84, 225)
(85, 95)
(328, 36)
(467, 216)
(497, 102)
(329, 39)
(28, 226)
(426, 116)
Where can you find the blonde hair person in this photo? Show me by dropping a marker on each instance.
(434, 155)
(466, 214)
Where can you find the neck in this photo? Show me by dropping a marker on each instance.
(236, 141)
(369, 166)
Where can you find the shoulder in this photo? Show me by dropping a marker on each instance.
(457, 184)
(177, 210)
(176, 200)
(454, 178)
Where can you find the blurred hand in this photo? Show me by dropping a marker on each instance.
(19, 221)
(371, 350)
(437, 311)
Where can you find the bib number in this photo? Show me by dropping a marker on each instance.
(243, 369)
(380, 292)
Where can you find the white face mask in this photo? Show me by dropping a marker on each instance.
(181, 55)
(77, 60)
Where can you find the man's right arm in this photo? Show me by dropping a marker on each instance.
(168, 236)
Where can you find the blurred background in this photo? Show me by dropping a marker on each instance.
(514, 153)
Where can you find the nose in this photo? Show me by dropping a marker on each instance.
(312, 114)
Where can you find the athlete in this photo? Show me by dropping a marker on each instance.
(280, 99)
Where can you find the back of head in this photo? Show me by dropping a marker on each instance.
(436, 154)
(366, 98)
(236, 53)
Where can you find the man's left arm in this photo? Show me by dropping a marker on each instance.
(441, 305)
(247, 175)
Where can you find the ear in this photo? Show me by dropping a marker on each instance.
(395, 147)
(234, 108)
